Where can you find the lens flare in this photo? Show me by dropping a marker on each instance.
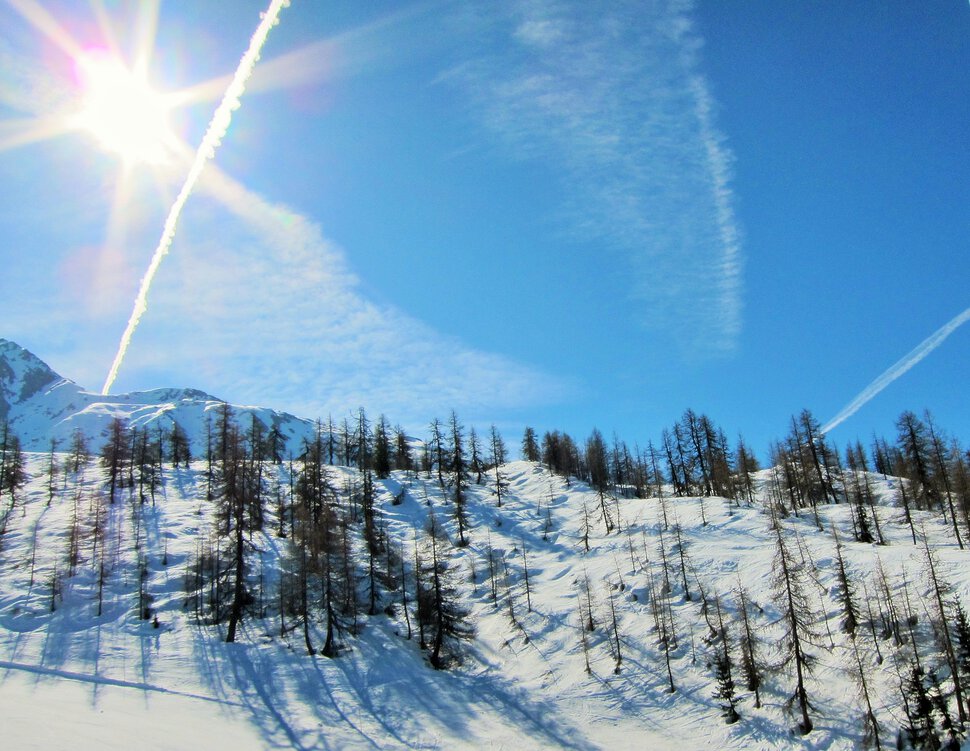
(121, 110)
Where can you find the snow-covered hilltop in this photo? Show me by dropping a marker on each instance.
(40, 405)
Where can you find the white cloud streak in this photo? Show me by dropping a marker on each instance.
(612, 96)
(900, 368)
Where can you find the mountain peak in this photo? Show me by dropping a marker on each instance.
(23, 375)
(41, 405)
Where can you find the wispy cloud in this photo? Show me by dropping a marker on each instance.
(614, 97)
(900, 368)
(270, 310)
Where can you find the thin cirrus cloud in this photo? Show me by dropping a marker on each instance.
(271, 311)
(613, 96)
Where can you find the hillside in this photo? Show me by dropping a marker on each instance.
(115, 680)
(572, 617)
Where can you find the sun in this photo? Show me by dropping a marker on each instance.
(122, 111)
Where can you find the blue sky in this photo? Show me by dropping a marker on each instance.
(550, 213)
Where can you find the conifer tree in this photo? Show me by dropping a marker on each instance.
(78, 453)
(918, 706)
(814, 451)
(616, 635)
(459, 469)
(14, 470)
(318, 530)
(178, 446)
(664, 622)
(362, 440)
(870, 722)
(275, 444)
(115, 454)
(939, 590)
(746, 466)
(681, 550)
(403, 456)
(846, 595)
(498, 459)
(750, 667)
(52, 471)
(960, 465)
(475, 462)
(237, 495)
(584, 642)
(372, 539)
(690, 428)
(447, 617)
(435, 451)
(952, 730)
(599, 475)
(904, 499)
(6, 448)
(961, 637)
(914, 445)
(382, 448)
(798, 617)
(941, 470)
(530, 445)
(723, 670)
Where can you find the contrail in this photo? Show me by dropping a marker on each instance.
(911, 359)
(207, 149)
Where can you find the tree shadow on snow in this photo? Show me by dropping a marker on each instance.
(382, 695)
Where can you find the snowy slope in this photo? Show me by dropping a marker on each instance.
(41, 405)
(115, 681)
(112, 680)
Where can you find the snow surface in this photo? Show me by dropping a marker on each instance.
(115, 681)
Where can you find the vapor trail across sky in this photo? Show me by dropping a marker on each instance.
(207, 149)
(901, 367)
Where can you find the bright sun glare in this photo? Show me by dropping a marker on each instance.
(122, 111)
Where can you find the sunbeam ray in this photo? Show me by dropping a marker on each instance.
(106, 27)
(44, 22)
(146, 27)
(117, 227)
(334, 57)
(21, 132)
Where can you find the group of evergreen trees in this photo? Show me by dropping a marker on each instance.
(695, 458)
(342, 562)
(13, 471)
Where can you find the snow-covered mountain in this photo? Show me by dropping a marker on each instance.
(40, 405)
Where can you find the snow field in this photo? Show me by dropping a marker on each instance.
(115, 680)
